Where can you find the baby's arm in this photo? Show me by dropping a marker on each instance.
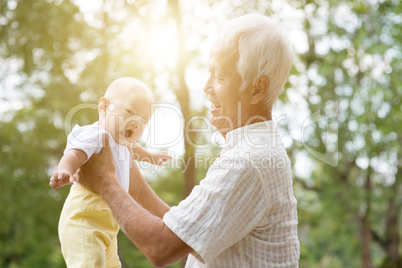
(140, 154)
(68, 165)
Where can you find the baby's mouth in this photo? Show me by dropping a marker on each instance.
(128, 133)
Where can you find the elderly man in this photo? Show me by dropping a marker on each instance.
(243, 213)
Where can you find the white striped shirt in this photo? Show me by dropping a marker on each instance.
(243, 213)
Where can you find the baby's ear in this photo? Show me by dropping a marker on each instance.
(103, 104)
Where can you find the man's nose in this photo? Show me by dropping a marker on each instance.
(208, 88)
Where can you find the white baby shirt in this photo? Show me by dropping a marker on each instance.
(89, 139)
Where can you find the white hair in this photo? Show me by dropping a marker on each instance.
(264, 50)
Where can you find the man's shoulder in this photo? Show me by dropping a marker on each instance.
(257, 146)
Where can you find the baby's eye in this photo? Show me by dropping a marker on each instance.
(129, 112)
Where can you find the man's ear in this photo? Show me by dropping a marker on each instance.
(260, 90)
(103, 104)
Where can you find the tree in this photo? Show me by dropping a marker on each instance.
(30, 44)
(353, 60)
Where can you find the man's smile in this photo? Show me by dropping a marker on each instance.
(214, 106)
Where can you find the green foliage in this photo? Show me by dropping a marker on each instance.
(29, 209)
(354, 61)
(59, 61)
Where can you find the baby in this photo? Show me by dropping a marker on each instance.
(87, 227)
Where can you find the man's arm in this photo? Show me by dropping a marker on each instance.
(147, 231)
(140, 190)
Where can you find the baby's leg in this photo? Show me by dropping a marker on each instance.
(87, 231)
(112, 259)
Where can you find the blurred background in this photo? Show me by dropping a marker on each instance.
(339, 114)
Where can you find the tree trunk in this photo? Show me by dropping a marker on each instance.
(363, 224)
(183, 98)
(392, 239)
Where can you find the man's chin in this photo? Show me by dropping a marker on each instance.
(221, 125)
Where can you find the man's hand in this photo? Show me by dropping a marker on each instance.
(99, 171)
(60, 179)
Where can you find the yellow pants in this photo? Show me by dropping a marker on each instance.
(88, 231)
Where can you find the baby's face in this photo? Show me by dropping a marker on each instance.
(127, 116)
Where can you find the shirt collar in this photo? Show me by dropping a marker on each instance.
(263, 127)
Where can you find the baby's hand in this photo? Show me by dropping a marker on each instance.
(60, 179)
(159, 158)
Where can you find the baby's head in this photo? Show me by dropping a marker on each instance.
(125, 109)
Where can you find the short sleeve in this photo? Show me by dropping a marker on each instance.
(224, 208)
(85, 138)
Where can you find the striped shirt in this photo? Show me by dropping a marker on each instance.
(243, 213)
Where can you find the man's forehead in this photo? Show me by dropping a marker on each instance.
(221, 57)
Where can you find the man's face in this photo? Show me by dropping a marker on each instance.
(229, 106)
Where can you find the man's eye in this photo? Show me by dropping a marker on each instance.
(219, 79)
